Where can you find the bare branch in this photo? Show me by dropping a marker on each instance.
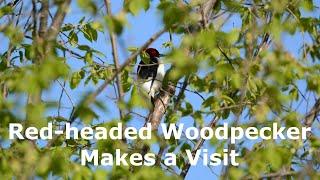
(312, 114)
(58, 20)
(206, 11)
(160, 106)
(44, 13)
(115, 55)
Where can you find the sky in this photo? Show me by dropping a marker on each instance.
(141, 27)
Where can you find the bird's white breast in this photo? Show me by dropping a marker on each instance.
(145, 84)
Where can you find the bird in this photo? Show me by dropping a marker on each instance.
(150, 74)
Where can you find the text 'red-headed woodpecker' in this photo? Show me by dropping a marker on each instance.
(151, 74)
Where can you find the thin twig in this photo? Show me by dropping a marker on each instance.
(68, 95)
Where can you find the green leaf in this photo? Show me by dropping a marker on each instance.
(115, 24)
(88, 5)
(134, 6)
(308, 5)
(89, 33)
(167, 44)
(126, 81)
(5, 11)
(86, 114)
(138, 99)
(15, 34)
(145, 57)
(173, 12)
(88, 57)
(97, 26)
(188, 109)
(67, 27)
(84, 48)
(76, 78)
(132, 49)
(73, 38)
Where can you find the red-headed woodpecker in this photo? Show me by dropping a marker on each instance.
(150, 75)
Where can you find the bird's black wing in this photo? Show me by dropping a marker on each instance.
(147, 71)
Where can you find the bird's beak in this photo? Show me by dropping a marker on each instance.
(162, 55)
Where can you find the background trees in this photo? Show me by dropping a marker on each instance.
(249, 63)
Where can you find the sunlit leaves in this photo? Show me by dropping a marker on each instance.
(126, 81)
(313, 82)
(67, 27)
(138, 99)
(73, 38)
(14, 34)
(7, 117)
(43, 167)
(148, 173)
(309, 25)
(233, 6)
(35, 116)
(85, 113)
(35, 77)
(5, 10)
(116, 23)
(88, 29)
(28, 158)
(173, 12)
(76, 78)
(134, 6)
(145, 57)
(88, 5)
(168, 44)
(279, 6)
(307, 5)
(223, 70)
(236, 80)
(60, 160)
(29, 51)
(89, 33)
(183, 64)
(268, 157)
(224, 62)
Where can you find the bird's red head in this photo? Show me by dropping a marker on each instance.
(153, 53)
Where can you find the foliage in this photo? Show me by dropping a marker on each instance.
(245, 75)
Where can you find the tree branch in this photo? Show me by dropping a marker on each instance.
(115, 55)
(206, 10)
(163, 100)
(312, 115)
(44, 13)
(58, 20)
(160, 106)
